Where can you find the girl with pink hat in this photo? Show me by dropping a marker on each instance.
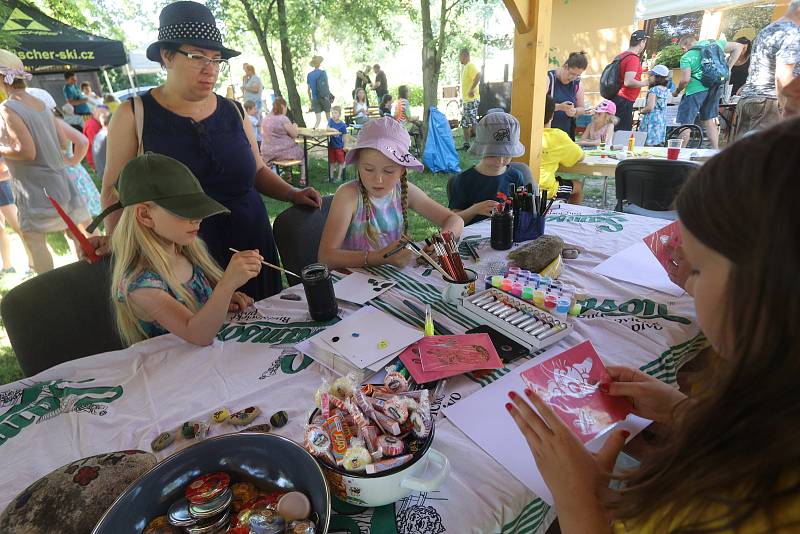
(601, 129)
(369, 215)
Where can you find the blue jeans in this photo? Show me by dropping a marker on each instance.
(703, 105)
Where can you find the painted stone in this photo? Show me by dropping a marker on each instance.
(76, 494)
(244, 417)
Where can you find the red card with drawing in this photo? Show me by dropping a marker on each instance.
(663, 243)
(412, 360)
(569, 383)
(463, 353)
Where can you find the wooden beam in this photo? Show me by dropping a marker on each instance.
(520, 13)
(529, 86)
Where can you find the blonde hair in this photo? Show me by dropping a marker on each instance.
(370, 229)
(135, 249)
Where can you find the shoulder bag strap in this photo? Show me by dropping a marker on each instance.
(136, 101)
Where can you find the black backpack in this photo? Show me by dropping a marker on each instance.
(611, 79)
(714, 69)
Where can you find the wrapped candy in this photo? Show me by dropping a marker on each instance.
(357, 456)
(344, 387)
(396, 409)
(318, 442)
(387, 424)
(395, 382)
(391, 446)
(389, 463)
(324, 387)
(335, 429)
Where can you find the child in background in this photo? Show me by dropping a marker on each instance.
(369, 215)
(601, 129)
(557, 149)
(68, 114)
(402, 109)
(714, 470)
(360, 107)
(474, 191)
(654, 113)
(99, 144)
(336, 144)
(163, 278)
(255, 119)
(386, 106)
(77, 148)
(8, 214)
(90, 128)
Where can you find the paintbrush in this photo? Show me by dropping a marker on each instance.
(268, 264)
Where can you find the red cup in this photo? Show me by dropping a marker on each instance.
(674, 148)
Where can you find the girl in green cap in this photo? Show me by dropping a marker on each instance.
(164, 279)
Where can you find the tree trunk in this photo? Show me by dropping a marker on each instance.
(261, 36)
(287, 68)
(430, 74)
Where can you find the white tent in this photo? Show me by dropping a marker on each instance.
(139, 63)
(651, 9)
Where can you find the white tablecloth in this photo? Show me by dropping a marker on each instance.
(122, 400)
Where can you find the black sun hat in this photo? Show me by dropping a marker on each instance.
(188, 23)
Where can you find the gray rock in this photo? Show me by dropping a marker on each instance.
(537, 254)
(72, 498)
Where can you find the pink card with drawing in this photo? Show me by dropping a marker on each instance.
(663, 243)
(463, 353)
(569, 381)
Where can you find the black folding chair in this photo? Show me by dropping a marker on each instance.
(61, 315)
(649, 186)
(695, 135)
(298, 230)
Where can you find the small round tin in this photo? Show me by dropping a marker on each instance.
(266, 523)
(207, 487)
(211, 526)
(179, 514)
(212, 508)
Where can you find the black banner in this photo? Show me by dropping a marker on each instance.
(45, 44)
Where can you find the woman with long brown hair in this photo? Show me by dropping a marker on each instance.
(730, 461)
(278, 133)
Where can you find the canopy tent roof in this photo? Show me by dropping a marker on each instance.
(140, 64)
(652, 9)
(47, 45)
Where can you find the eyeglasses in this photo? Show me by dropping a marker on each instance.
(199, 61)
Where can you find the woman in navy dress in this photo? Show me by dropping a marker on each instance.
(186, 120)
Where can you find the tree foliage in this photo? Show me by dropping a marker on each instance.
(289, 31)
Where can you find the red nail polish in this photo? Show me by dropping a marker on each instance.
(512, 394)
(509, 406)
(626, 434)
(528, 392)
(603, 387)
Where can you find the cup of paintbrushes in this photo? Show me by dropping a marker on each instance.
(454, 290)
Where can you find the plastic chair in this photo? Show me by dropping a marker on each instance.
(527, 175)
(621, 138)
(298, 230)
(61, 315)
(650, 186)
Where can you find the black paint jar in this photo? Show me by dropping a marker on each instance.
(318, 286)
(502, 230)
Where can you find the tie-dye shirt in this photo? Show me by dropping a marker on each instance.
(387, 220)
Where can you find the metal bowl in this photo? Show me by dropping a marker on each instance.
(267, 460)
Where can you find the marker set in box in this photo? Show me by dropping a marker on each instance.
(518, 319)
(548, 294)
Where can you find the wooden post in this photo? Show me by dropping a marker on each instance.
(529, 84)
